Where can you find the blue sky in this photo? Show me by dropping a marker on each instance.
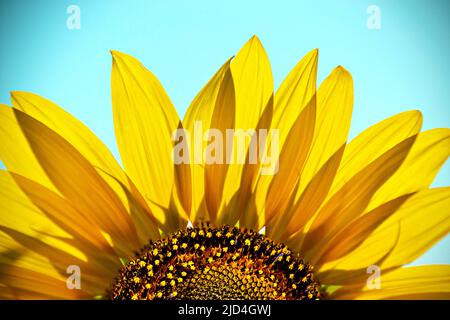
(404, 65)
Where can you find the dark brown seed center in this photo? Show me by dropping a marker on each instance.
(207, 262)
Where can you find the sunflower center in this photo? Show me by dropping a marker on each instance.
(208, 262)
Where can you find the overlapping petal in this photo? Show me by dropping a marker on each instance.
(144, 121)
(423, 283)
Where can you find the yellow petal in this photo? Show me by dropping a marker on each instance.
(223, 118)
(79, 182)
(87, 238)
(423, 220)
(428, 154)
(70, 129)
(373, 142)
(291, 162)
(200, 113)
(291, 98)
(422, 282)
(20, 283)
(15, 152)
(93, 278)
(313, 195)
(294, 93)
(43, 235)
(253, 83)
(18, 263)
(356, 277)
(240, 209)
(350, 201)
(356, 232)
(144, 120)
(18, 212)
(334, 110)
(202, 106)
(87, 143)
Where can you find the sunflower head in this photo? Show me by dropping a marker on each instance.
(345, 207)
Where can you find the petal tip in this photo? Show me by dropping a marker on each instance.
(414, 114)
(118, 54)
(255, 38)
(313, 54)
(341, 68)
(254, 42)
(417, 112)
(114, 53)
(16, 93)
(342, 72)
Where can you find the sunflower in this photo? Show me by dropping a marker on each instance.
(335, 220)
